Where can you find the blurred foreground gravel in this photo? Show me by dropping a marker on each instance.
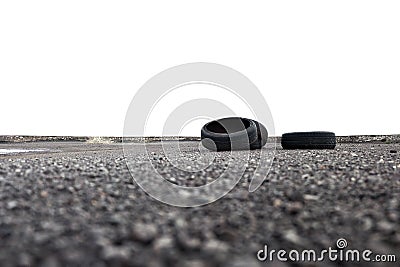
(77, 205)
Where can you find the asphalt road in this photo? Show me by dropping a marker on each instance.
(77, 205)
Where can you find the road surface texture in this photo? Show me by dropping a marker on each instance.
(76, 204)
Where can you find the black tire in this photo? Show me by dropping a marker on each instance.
(309, 140)
(231, 133)
(262, 136)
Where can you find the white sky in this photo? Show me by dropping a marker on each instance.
(72, 67)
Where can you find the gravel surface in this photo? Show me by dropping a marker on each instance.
(77, 205)
(377, 139)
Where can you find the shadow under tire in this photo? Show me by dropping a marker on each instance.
(309, 140)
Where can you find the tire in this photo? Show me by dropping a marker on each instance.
(309, 140)
(262, 136)
(233, 133)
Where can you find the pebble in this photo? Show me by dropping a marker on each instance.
(12, 204)
(215, 246)
(144, 232)
(44, 194)
(115, 252)
(187, 242)
(163, 243)
(292, 236)
(277, 203)
(310, 197)
(385, 226)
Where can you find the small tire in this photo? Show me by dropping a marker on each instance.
(309, 140)
(233, 133)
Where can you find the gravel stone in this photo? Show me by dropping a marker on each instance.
(144, 232)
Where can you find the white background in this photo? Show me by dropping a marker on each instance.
(72, 67)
